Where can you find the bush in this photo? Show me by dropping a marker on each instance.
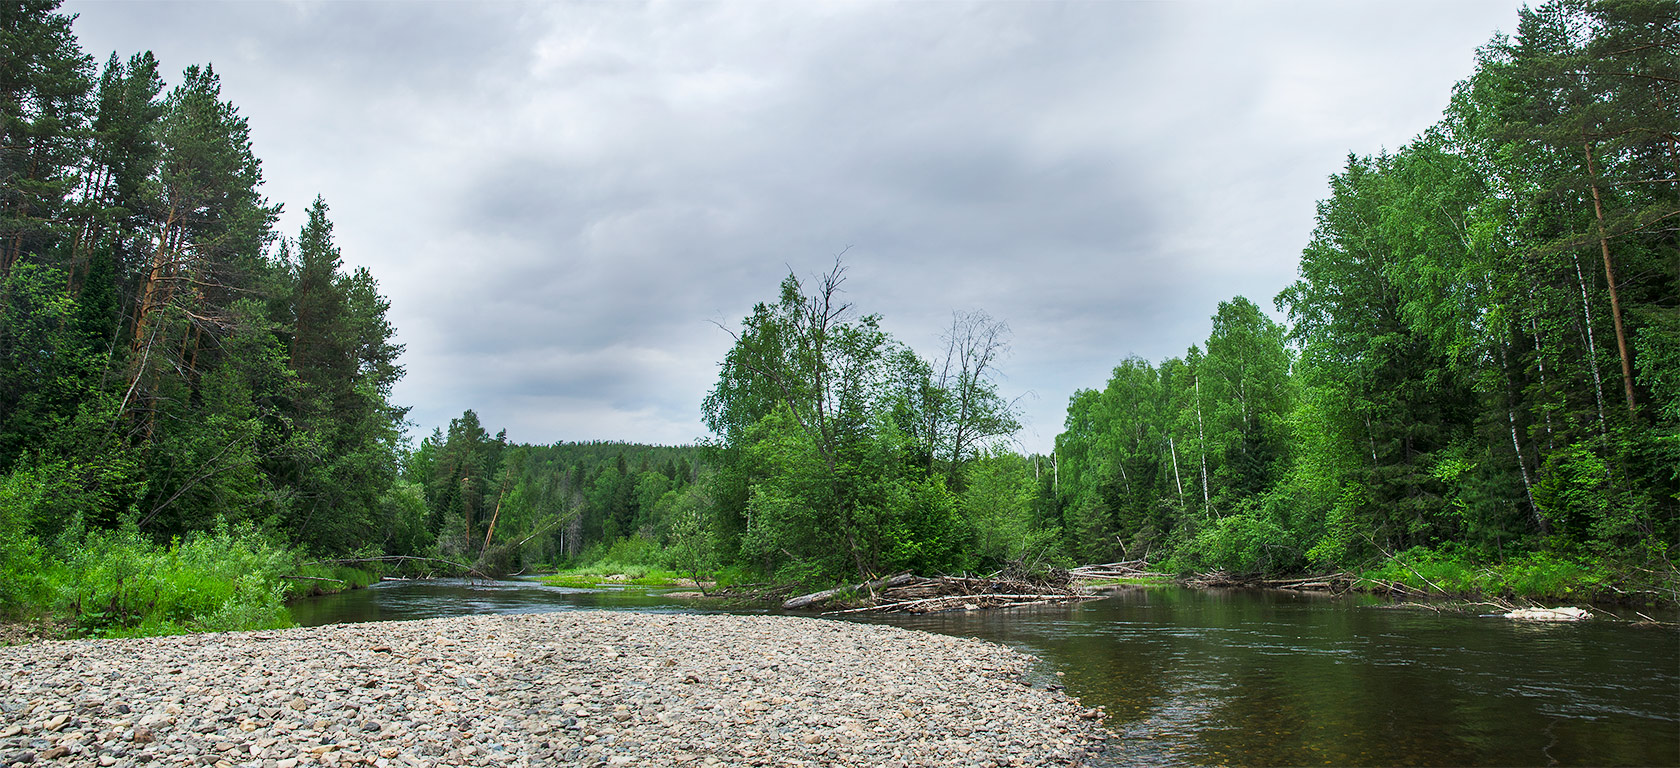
(1452, 570)
(640, 560)
(121, 584)
(1247, 543)
(25, 568)
(635, 550)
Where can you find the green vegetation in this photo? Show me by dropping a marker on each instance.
(842, 454)
(190, 405)
(1480, 366)
(1536, 574)
(1480, 371)
(630, 560)
(118, 583)
(1480, 363)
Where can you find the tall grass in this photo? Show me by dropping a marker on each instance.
(121, 584)
(637, 560)
(1536, 575)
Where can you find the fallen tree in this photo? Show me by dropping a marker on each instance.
(1125, 569)
(1334, 583)
(458, 567)
(829, 594)
(906, 593)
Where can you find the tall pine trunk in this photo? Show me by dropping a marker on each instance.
(1610, 281)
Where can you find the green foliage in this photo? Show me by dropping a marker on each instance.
(997, 505)
(162, 367)
(25, 564)
(634, 550)
(843, 455)
(403, 508)
(1250, 542)
(117, 583)
(1457, 571)
(689, 519)
(1482, 350)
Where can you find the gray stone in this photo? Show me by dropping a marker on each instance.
(546, 689)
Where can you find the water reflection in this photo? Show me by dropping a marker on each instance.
(398, 600)
(1247, 678)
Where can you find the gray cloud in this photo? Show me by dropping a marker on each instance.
(561, 199)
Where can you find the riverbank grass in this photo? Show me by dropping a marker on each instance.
(630, 560)
(613, 574)
(121, 584)
(1534, 576)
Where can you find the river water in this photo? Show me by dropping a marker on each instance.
(1237, 677)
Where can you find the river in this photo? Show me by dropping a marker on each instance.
(1237, 677)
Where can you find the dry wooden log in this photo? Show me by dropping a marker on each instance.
(829, 594)
(313, 578)
(1123, 575)
(1220, 579)
(1009, 598)
(1326, 582)
(1125, 569)
(399, 558)
(1125, 565)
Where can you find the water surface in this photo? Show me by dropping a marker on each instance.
(1220, 677)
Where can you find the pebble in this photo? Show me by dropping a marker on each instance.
(569, 688)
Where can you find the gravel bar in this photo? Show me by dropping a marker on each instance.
(570, 688)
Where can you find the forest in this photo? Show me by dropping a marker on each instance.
(1474, 381)
(1477, 387)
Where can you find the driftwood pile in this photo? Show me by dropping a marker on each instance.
(907, 593)
(1336, 583)
(1126, 569)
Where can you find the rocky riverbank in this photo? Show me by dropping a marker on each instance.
(573, 688)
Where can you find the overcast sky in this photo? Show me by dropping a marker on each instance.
(560, 199)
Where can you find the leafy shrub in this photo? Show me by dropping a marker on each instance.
(25, 568)
(635, 550)
(1453, 570)
(1244, 543)
(120, 583)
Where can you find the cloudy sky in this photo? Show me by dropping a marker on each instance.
(561, 199)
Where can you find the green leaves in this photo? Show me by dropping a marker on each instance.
(1463, 309)
(841, 448)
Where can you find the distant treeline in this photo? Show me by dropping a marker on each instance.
(519, 507)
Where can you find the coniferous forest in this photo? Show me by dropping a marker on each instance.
(1474, 382)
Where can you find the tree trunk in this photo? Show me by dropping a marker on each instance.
(1176, 478)
(1540, 362)
(1610, 281)
(151, 291)
(827, 594)
(1516, 445)
(1201, 434)
(1592, 347)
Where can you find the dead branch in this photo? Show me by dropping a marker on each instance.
(400, 558)
(829, 594)
(313, 578)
